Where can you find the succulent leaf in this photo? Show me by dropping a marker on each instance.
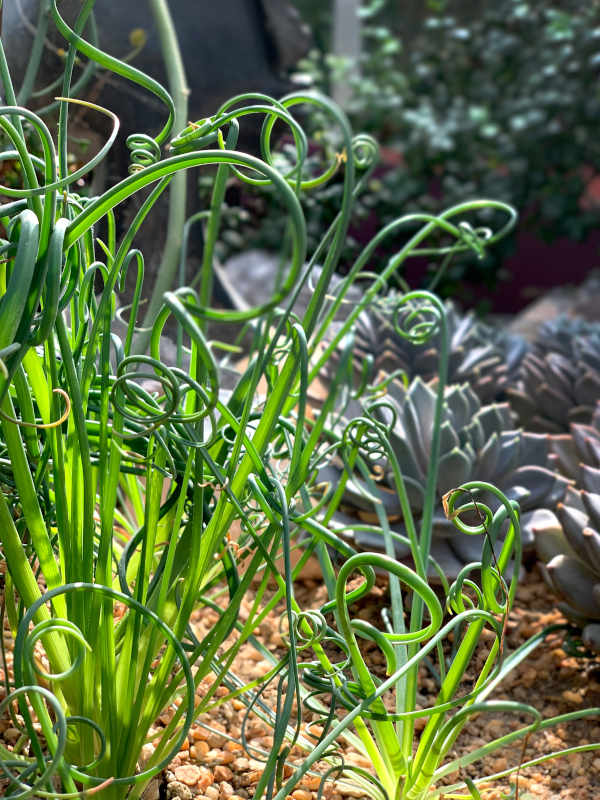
(591, 502)
(590, 479)
(454, 468)
(573, 521)
(591, 540)
(543, 525)
(575, 581)
(568, 545)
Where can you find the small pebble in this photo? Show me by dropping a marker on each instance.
(231, 746)
(188, 774)
(226, 790)
(11, 735)
(180, 790)
(302, 794)
(206, 778)
(250, 778)
(199, 750)
(222, 773)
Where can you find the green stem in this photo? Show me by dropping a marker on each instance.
(35, 56)
(178, 190)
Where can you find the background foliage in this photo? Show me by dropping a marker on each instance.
(497, 100)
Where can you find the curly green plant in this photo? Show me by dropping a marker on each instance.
(121, 477)
(382, 709)
(377, 713)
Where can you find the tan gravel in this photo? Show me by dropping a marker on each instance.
(552, 681)
(212, 767)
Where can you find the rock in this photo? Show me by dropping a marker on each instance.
(222, 773)
(240, 764)
(225, 790)
(188, 774)
(180, 790)
(302, 794)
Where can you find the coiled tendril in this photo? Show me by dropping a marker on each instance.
(49, 632)
(420, 324)
(135, 403)
(144, 151)
(369, 435)
(365, 151)
(40, 772)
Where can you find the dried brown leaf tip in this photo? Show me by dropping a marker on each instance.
(446, 504)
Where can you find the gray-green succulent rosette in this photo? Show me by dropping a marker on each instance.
(568, 546)
(482, 355)
(568, 541)
(558, 381)
(577, 452)
(476, 441)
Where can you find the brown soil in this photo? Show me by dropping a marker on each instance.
(213, 767)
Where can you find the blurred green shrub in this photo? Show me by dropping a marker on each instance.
(501, 102)
(507, 104)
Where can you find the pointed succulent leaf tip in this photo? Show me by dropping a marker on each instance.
(549, 536)
(591, 501)
(488, 456)
(590, 478)
(591, 541)
(448, 437)
(476, 442)
(454, 468)
(564, 453)
(586, 439)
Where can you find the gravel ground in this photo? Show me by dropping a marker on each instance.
(213, 766)
(552, 681)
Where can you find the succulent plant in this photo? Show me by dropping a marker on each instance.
(578, 451)
(477, 441)
(568, 541)
(568, 546)
(484, 356)
(559, 379)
